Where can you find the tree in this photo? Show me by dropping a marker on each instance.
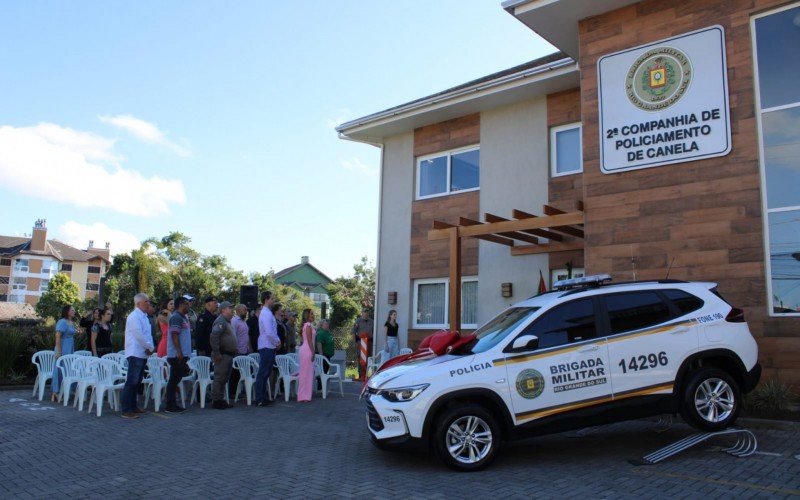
(351, 294)
(60, 292)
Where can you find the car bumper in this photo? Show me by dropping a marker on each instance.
(383, 421)
(751, 378)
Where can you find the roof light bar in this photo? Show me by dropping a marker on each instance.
(595, 280)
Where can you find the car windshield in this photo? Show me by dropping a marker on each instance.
(500, 327)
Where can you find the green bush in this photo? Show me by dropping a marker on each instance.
(13, 347)
(771, 395)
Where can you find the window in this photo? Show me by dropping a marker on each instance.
(21, 265)
(683, 301)
(94, 269)
(92, 287)
(447, 173)
(319, 297)
(18, 299)
(3, 280)
(570, 322)
(44, 285)
(5, 262)
(635, 310)
(500, 327)
(431, 303)
(3, 298)
(49, 267)
(19, 283)
(563, 274)
(776, 38)
(66, 267)
(566, 155)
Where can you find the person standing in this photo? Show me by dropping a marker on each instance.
(163, 325)
(390, 332)
(192, 319)
(363, 328)
(291, 330)
(204, 324)
(179, 346)
(87, 322)
(324, 341)
(268, 343)
(280, 318)
(223, 350)
(138, 346)
(100, 336)
(252, 326)
(242, 332)
(305, 380)
(65, 344)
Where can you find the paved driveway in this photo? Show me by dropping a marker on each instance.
(320, 449)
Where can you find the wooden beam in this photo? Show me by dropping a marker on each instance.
(548, 248)
(463, 221)
(437, 224)
(550, 235)
(512, 225)
(517, 235)
(454, 307)
(572, 231)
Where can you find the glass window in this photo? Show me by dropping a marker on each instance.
(19, 299)
(44, 285)
(570, 322)
(777, 36)
(433, 176)
(3, 280)
(635, 310)
(469, 303)
(431, 303)
(501, 326)
(777, 40)
(465, 170)
(92, 287)
(685, 302)
(5, 262)
(3, 298)
(566, 156)
(66, 267)
(94, 269)
(19, 283)
(21, 265)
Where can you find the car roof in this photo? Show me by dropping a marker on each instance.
(555, 295)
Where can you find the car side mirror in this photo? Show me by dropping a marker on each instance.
(525, 343)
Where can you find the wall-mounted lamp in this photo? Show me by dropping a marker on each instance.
(392, 298)
(506, 289)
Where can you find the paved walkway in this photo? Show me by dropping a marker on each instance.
(320, 449)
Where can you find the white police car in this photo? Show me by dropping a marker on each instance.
(588, 353)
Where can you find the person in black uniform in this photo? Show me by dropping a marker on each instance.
(204, 323)
(252, 324)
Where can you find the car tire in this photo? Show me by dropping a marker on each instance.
(711, 400)
(466, 437)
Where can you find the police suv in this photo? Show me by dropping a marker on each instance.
(585, 354)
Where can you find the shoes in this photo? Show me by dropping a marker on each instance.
(130, 415)
(139, 411)
(175, 409)
(220, 405)
(266, 402)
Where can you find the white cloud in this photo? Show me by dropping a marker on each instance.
(358, 166)
(70, 166)
(78, 235)
(146, 131)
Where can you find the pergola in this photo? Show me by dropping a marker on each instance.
(562, 230)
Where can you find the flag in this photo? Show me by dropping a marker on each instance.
(542, 285)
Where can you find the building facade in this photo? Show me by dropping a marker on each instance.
(307, 279)
(28, 264)
(671, 126)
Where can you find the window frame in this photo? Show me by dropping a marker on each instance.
(17, 286)
(18, 267)
(554, 149)
(765, 210)
(93, 269)
(446, 283)
(449, 154)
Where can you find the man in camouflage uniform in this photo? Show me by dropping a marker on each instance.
(223, 350)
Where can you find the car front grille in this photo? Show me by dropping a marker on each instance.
(375, 421)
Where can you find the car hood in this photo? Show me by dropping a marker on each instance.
(386, 377)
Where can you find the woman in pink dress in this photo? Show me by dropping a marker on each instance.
(305, 381)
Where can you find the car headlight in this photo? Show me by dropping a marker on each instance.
(402, 394)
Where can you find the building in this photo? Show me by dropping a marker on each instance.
(661, 140)
(28, 264)
(307, 279)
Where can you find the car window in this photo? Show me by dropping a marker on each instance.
(501, 326)
(570, 322)
(635, 310)
(684, 301)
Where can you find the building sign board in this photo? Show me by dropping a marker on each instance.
(665, 102)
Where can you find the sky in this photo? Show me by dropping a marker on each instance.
(121, 121)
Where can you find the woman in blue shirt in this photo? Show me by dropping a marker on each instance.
(65, 344)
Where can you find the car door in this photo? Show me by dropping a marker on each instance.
(647, 342)
(567, 369)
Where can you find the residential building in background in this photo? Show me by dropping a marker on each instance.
(28, 263)
(307, 279)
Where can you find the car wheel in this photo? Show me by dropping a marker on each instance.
(466, 437)
(711, 400)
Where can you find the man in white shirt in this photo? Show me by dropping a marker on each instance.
(268, 343)
(138, 346)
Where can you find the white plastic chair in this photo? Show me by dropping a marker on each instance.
(71, 368)
(156, 384)
(255, 357)
(375, 362)
(121, 361)
(83, 353)
(105, 383)
(247, 377)
(405, 350)
(288, 372)
(293, 357)
(87, 379)
(45, 362)
(319, 369)
(201, 365)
